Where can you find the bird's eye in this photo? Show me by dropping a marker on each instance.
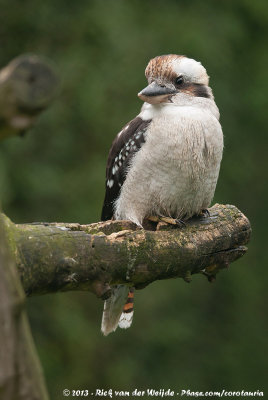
(179, 80)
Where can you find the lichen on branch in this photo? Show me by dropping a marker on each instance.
(55, 257)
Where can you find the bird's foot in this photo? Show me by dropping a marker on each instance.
(180, 222)
(167, 220)
(204, 213)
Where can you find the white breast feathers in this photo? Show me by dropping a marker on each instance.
(176, 170)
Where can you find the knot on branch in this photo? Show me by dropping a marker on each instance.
(28, 84)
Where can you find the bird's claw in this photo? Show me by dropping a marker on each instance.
(167, 220)
(205, 213)
(180, 222)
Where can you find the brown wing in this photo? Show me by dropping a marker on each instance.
(125, 145)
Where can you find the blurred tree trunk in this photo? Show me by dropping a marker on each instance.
(20, 372)
(27, 86)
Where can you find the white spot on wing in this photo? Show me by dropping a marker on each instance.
(110, 183)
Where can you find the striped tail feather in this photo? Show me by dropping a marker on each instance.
(118, 309)
(126, 317)
(113, 309)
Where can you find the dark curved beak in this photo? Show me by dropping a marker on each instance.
(155, 93)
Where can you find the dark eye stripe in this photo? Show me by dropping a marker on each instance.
(201, 91)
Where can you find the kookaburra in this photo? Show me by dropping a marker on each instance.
(164, 164)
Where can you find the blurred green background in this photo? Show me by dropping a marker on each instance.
(198, 336)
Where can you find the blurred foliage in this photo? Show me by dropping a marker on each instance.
(198, 336)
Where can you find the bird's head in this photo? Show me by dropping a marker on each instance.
(170, 75)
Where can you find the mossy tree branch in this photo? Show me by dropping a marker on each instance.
(55, 257)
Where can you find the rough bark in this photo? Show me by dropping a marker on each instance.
(27, 86)
(20, 372)
(55, 257)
